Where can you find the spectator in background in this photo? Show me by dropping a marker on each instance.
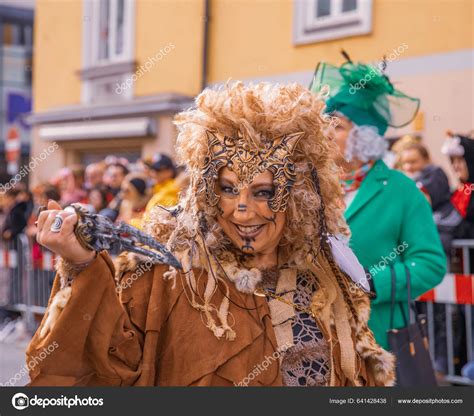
(457, 223)
(97, 197)
(26, 196)
(41, 195)
(16, 214)
(385, 211)
(45, 192)
(456, 220)
(397, 148)
(162, 172)
(431, 180)
(114, 176)
(113, 160)
(460, 150)
(94, 175)
(70, 182)
(78, 173)
(135, 196)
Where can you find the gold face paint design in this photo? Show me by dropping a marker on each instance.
(246, 162)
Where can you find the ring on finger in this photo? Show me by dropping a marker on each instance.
(57, 224)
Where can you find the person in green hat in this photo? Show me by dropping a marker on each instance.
(390, 219)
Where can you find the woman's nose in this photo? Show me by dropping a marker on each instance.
(243, 210)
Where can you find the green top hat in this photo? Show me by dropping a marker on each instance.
(365, 95)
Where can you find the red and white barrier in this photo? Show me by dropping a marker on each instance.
(455, 288)
(48, 261)
(8, 259)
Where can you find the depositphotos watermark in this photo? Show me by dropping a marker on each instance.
(261, 367)
(21, 401)
(469, 189)
(376, 268)
(139, 271)
(377, 69)
(150, 63)
(386, 260)
(26, 169)
(31, 364)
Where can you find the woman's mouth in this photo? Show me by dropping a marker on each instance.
(248, 231)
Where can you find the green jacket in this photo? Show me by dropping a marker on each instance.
(392, 225)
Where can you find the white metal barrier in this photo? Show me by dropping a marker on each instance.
(449, 309)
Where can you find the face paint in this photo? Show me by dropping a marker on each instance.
(255, 229)
(271, 219)
(247, 248)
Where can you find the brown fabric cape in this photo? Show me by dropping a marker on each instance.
(150, 335)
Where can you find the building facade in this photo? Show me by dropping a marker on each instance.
(110, 74)
(16, 43)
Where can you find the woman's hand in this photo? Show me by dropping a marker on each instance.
(63, 242)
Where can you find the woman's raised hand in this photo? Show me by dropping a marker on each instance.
(62, 239)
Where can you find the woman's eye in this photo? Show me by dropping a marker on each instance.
(264, 194)
(227, 190)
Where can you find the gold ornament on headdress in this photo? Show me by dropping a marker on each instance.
(247, 161)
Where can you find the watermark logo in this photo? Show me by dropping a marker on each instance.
(26, 169)
(468, 189)
(388, 260)
(139, 271)
(20, 401)
(30, 365)
(263, 366)
(378, 69)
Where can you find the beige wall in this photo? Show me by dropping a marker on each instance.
(163, 22)
(57, 53)
(165, 139)
(248, 38)
(254, 38)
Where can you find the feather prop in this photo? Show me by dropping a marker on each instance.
(348, 262)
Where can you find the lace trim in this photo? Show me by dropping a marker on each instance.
(307, 363)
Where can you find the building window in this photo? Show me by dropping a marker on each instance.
(111, 30)
(108, 36)
(321, 20)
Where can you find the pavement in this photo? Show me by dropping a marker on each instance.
(13, 370)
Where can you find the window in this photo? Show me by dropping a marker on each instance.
(108, 36)
(111, 22)
(17, 34)
(320, 20)
(16, 53)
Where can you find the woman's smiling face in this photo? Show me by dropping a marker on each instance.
(245, 215)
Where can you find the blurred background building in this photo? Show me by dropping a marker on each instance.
(110, 74)
(16, 47)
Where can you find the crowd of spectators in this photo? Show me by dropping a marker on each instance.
(113, 187)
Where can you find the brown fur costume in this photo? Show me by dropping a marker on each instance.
(259, 114)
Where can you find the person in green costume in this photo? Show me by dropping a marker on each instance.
(390, 219)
